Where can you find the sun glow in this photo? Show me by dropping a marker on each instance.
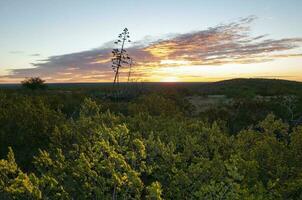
(169, 79)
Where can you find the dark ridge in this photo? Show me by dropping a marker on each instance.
(257, 86)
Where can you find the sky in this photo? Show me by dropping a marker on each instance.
(171, 40)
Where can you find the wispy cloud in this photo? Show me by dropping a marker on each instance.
(16, 52)
(35, 55)
(230, 43)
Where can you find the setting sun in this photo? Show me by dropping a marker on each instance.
(169, 79)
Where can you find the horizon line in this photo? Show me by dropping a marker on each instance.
(175, 82)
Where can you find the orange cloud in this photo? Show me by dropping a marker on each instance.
(161, 50)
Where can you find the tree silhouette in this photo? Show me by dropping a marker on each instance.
(130, 67)
(120, 56)
(34, 83)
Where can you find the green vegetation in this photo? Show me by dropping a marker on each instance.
(76, 142)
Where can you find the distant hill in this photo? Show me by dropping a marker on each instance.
(265, 87)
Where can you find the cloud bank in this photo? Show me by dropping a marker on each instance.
(229, 43)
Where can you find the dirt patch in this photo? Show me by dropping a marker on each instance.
(202, 103)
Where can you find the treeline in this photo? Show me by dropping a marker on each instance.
(68, 146)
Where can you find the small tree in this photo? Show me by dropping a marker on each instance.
(154, 191)
(34, 83)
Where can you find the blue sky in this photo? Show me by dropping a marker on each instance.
(32, 30)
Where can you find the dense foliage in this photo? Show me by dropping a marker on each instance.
(69, 145)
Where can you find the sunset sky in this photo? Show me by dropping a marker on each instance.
(172, 40)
